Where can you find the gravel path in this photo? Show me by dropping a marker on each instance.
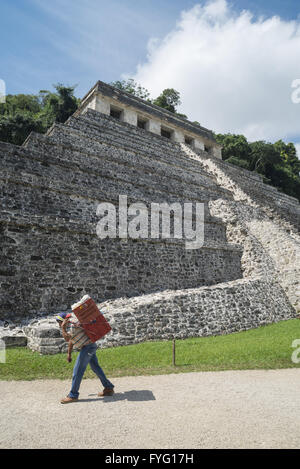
(230, 409)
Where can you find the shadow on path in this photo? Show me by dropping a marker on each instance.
(142, 395)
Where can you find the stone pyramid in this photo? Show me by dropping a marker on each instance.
(245, 274)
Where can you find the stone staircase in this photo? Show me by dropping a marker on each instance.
(149, 288)
(264, 219)
(51, 188)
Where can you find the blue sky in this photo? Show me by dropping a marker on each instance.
(38, 37)
(81, 41)
(46, 42)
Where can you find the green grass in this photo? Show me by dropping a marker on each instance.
(268, 347)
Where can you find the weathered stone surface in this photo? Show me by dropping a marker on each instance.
(265, 221)
(229, 307)
(43, 332)
(245, 275)
(49, 347)
(14, 340)
(50, 207)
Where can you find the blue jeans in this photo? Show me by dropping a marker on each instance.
(87, 356)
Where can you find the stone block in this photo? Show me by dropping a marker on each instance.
(153, 126)
(129, 116)
(14, 340)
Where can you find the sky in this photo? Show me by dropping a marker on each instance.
(233, 62)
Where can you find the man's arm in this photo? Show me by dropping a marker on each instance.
(66, 336)
(70, 348)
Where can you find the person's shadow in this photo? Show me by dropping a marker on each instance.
(142, 395)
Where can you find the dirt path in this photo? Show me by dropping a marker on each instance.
(230, 409)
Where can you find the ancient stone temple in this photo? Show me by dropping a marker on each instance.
(245, 274)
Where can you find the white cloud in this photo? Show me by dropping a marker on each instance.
(234, 72)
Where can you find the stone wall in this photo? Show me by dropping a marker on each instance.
(104, 98)
(264, 221)
(148, 289)
(50, 191)
(52, 267)
(228, 307)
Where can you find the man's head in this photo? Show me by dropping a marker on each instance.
(61, 317)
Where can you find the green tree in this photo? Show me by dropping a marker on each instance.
(277, 162)
(59, 106)
(19, 103)
(234, 146)
(288, 154)
(16, 128)
(238, 162)
(169, 99)
(22, 114)
(264, 156)
(130, 86)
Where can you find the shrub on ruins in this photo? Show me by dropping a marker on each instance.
(238, 162)
(132, 87)
(169, 99)
(16, 128)
(22, 114)
(234, 146)
(18, 118)
(59, 106)
(278, 166)
(276, 162)
(288, 155)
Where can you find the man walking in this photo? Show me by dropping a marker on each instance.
(77, 338)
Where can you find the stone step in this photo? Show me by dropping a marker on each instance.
(253, 182)
(64, 136)
(224, 308)
(102, 121)
(48, 189)
(274, 203)
(99, 121)
(52, 262)
(22, 196)
(109, 162)
(36, 212)
(26, 202)
(98, 124)
(58, 224)
(36, 187)
(126, 138)
(115, 131)
(92, 141)
(116, 159)
(178, 314)
(94, 165)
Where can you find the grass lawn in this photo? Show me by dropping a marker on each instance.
(267, 347)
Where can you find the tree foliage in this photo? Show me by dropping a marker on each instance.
(169, 99)
(130, 86)
(22, 114)
(59, 106)
(277, 162)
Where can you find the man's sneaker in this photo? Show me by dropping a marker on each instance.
(67, 400)
(106, 392)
